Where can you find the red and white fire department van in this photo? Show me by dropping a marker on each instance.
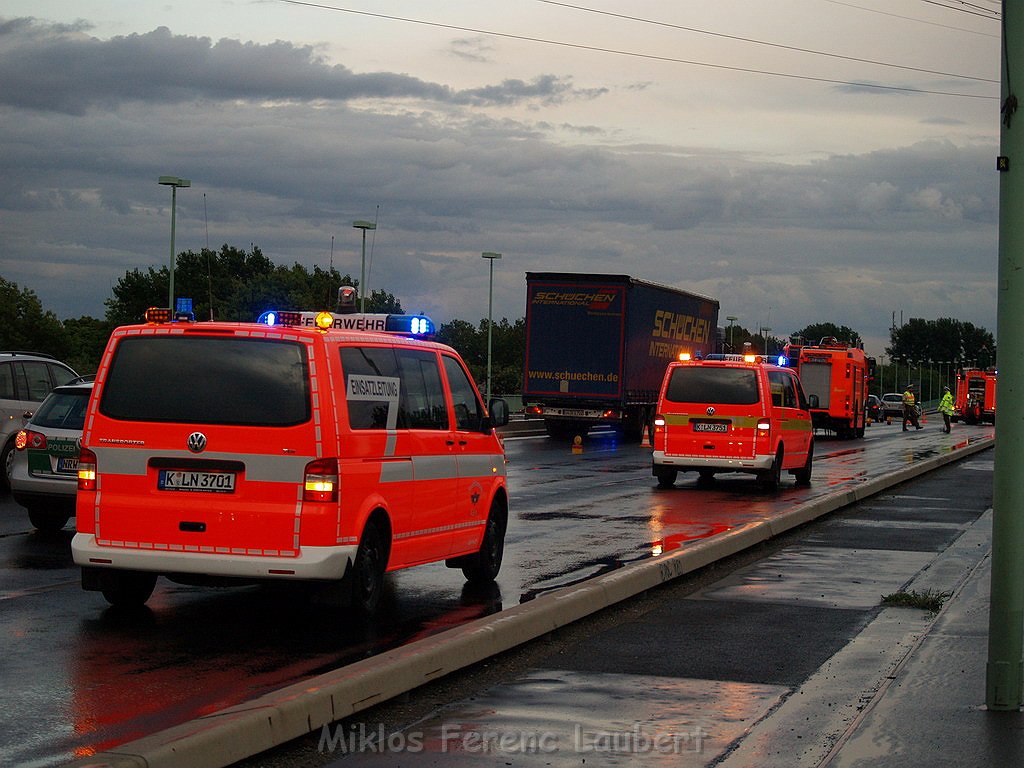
(732, 413)
(218, 452)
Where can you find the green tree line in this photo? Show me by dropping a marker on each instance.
(237, 285)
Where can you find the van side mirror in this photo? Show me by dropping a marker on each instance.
(497, 411)
(812, 401)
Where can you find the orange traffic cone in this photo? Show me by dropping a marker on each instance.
(645, 440)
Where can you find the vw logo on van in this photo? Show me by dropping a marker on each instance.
(711, 410)
(197, 442)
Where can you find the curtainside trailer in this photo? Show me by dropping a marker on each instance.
(597, 347)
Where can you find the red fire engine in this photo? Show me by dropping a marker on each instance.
(975, 395)
(838, 374)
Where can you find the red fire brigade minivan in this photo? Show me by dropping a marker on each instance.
(217, 452)
(732, 413)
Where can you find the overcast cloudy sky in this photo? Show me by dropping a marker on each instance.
(800, 160)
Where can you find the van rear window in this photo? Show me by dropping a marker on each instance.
(208, 380)
(706, 384)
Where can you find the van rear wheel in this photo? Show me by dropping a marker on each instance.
(368, 570)
(666, 477)
(771, 478)
(128, 589)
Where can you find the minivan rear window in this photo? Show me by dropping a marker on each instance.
(208, 380)
(706, 384)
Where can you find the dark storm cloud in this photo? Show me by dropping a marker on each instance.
(57, 69)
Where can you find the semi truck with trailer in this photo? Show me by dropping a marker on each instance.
(597, 346)
(838, 373)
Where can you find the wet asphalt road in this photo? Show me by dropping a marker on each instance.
(81, 678)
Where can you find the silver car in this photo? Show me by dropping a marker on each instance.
(44, 473)
(25, 379)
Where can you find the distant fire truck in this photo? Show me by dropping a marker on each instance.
(975, 395)
(838, 374)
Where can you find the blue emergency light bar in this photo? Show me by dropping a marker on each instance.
(409, 325)
(419, 326)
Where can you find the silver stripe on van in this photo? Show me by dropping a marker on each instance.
(445, 467)
(435, 467)
(258, 466)
(481, 465)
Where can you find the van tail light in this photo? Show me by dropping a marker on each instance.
(763, 427)
(659, 425)
(321, 481)
(86, 470)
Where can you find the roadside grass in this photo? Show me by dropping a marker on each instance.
(929, 599)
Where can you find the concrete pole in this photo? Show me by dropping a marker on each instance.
(1006, 618)
(170, 280)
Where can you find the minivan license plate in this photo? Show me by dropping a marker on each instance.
(190, 480)
(710, 426)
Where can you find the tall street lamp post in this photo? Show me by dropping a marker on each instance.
(363, 225)
(490, 256)
(174, 183)
(732, 319)
(766, 330)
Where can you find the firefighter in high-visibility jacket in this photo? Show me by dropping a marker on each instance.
(946, 409)
(910, 408)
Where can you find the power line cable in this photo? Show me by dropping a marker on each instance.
(762, 42)
(638, 55)
(911, 18)
(984, 13)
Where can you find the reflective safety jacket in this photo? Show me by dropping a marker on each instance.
(908, 399)
(946, 404)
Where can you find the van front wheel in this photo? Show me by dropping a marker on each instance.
(803, 475)
(483, 567)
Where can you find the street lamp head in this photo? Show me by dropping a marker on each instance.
(363, 225)
(490, 255)
(731, 318)
(174, 181)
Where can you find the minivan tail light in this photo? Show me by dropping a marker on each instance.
(764, 425)
(86, 470)
(320, 482)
